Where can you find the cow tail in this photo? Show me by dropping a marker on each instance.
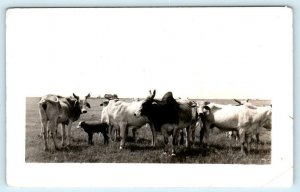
(43, 104)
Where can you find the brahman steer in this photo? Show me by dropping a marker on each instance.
(243, 119)
(168, 116)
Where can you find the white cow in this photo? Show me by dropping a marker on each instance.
(120, 115)
(246, 120)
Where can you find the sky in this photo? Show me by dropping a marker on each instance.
(216, 53)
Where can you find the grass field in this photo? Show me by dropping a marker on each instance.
(221, 150)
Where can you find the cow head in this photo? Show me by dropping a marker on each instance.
(81, 104)
(147, 106)
(268, 120)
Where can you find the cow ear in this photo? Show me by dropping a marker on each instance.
(88, 105)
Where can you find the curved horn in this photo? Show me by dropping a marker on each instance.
(247, 100)
(153, 94)
(88, 96)
(76, 97)
(239, 102)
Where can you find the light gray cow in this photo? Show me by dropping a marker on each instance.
(54, 110)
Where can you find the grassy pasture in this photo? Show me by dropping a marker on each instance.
(221, 149)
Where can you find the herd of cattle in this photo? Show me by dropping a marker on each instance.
(167, 115)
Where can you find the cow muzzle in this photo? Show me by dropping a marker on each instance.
(83, 111)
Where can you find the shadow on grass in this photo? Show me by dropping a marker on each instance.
(136, 147)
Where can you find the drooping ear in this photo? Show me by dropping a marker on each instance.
(239, 102)
(195, 104)
(76, 97)
(88, 105)
(88, 96)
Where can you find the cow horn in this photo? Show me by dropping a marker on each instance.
(88, 96)
(153, 94)
(76, 97)
(247, 100)
(239, 102)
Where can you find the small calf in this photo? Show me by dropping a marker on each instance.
(94, 127)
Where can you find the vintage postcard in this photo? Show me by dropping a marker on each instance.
(181, 97)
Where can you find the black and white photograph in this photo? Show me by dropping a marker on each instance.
(167, 91)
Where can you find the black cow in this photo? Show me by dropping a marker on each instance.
(94, 127)
(167, 115)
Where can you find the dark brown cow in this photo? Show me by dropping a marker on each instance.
(168, 116)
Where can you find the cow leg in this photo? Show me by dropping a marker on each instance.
(52, 126)
(105, 138)
(90, 140)
(175, 138)
(110, 132)
(204, 132)
(154, 136)
(193, 130)
(248, 140)
(69, 133)
(117, 134)
(45, 133)
(63, 135)
(181, 135)
(123, 127)
(166, 139)
(134, 129)
(188, 137)
(241, 133)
